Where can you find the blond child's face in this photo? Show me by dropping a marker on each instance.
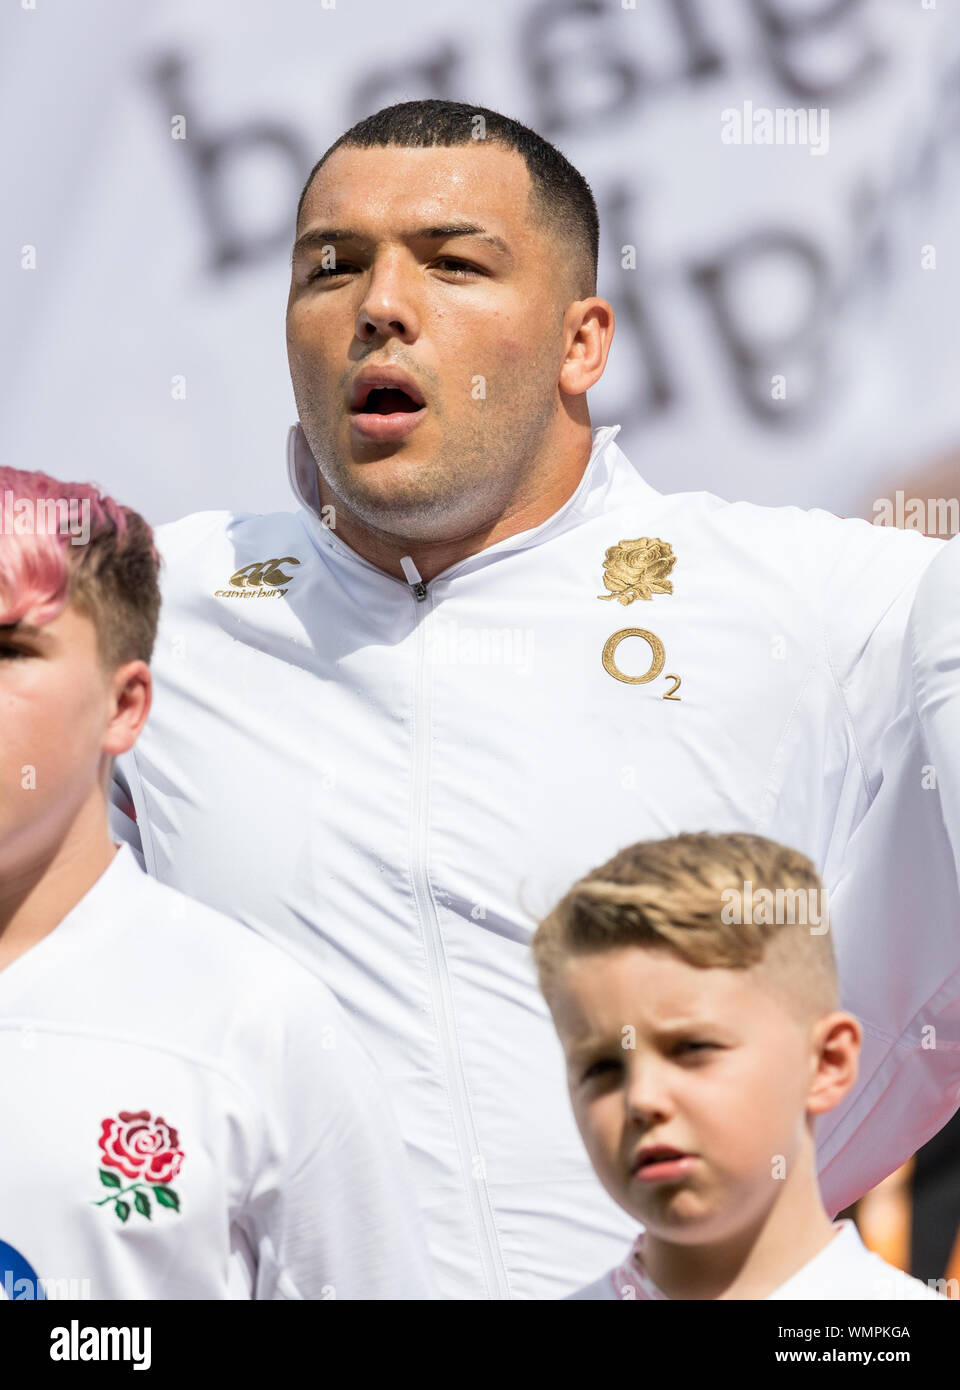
(702, 1062)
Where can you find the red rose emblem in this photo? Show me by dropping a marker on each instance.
(141, 1146)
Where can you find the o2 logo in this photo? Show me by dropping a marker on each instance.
(18, 1279)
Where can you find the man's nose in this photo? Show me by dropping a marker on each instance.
(388, 306)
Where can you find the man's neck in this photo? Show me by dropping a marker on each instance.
(542, 500)
(755, 1261)
(41, 889)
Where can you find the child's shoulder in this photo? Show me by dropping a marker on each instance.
(846, 1269)
(843, 1269)
(601, 1288)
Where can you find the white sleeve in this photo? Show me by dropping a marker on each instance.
(869, 577)
(332, 1212)
(122, 813)
(935, 633)
(896, 914)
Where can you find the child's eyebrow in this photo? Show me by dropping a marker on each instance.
(20, 630)
(664, 1030)
(596, 1042)
(704, 1023)
(660, 1032)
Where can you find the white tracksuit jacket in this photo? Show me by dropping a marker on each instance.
(393, 786)
(933, 653)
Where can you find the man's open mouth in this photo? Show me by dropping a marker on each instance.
(388, 400)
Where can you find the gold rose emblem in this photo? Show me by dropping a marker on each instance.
(638, 569)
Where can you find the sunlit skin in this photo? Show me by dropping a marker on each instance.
(719, 1070)
(64, 718)
(452, 310)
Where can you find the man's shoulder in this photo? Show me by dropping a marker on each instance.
(831, 559)
(809, 525)
(201, 530)
(222, 554)
(937, 607)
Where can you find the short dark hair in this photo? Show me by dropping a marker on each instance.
(561, 197)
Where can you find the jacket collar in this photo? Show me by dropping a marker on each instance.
(607, 479)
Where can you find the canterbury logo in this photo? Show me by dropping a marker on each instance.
(266, 572)
(260, 579)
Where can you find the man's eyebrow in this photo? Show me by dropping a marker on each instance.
(21, 629)
(332, 236)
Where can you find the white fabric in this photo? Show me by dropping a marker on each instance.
(843, 1269)
(900, 881)
(934, 654)
(394, 790)
(293, 1182)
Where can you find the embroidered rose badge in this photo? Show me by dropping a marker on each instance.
(143, 1148)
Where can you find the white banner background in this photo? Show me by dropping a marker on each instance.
(158, 258)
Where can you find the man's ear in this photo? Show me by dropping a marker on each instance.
(591, 322)
(131, 695)
(835, 1050)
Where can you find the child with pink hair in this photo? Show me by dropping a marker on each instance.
(194, 1117)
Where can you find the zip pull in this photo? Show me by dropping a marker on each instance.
(412, 575)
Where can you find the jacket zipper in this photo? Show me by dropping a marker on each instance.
(468, 1146)
(412, 576)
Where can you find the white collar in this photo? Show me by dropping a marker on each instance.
(845, 1244)
(607, 471)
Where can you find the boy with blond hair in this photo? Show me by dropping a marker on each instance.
(693, 985)
(185, 1112)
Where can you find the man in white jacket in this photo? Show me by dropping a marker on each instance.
(482, 655)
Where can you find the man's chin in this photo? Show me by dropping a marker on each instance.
(395, 501)
(425, 520)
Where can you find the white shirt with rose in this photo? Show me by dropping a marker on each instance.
(187, 1114)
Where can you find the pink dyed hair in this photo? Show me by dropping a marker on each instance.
(112, 577)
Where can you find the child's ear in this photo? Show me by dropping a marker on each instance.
(131, 697)
(835, 1056)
